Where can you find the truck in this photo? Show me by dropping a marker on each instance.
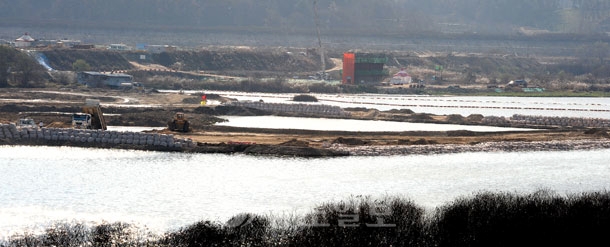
(91, 117)
(26, 123)
(81, 121)
(126, 86)
(517, 83)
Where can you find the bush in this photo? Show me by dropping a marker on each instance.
(304, 98)
(537, 219)
(243, 229)
(364, 222)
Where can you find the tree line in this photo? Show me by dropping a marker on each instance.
(380, 16)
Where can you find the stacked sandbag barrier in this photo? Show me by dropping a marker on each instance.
(89, 138)
(561, 121)
(496, 121)
(326, 110)
(9, 131)
(526, 120)
(520, 146)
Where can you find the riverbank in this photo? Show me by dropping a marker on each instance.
(11, 135)
(345, 144)
(515, 146)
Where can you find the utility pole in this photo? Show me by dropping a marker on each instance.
(317, 21)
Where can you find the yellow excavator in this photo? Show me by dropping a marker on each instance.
(179, 123)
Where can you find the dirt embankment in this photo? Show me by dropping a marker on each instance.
(99, 60)
(486, 65)
(245, 61)
(239, 60)
(222, 60)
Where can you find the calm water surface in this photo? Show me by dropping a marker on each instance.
(275, 122)
(163, 191)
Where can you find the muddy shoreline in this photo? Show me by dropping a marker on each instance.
(10, 134)
(339, 150)
(351, 146)
(517, 146)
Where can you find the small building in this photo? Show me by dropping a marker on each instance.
(24, 41)
(400, 78)
(119, 47)
(98, 79)
(517, 83)
(160, 48)
(59, 43)
(83, 46)
(68, 43)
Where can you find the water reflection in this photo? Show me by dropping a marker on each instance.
(275, 122)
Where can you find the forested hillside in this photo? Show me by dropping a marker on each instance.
(380, 16)
(18, 69)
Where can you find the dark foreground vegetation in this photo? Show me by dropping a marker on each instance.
(485, 219)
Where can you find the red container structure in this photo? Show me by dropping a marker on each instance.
(365, 68)
(349, 65)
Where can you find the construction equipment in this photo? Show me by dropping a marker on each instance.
(81, 121)
(26, 123)
(179, 123)
(92, 116)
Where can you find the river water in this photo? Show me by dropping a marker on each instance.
(165, 191)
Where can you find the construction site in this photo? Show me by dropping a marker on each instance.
(61, 112)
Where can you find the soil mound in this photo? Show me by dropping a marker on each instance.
(475, 118)
(598, 132)
(401, 111)
(295, 143)
(455, 119)
(350, 141)
(292, 151)
(422, 117)
(424, 142)
(461, 133)
(304, 98)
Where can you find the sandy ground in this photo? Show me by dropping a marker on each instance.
(321, 139)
